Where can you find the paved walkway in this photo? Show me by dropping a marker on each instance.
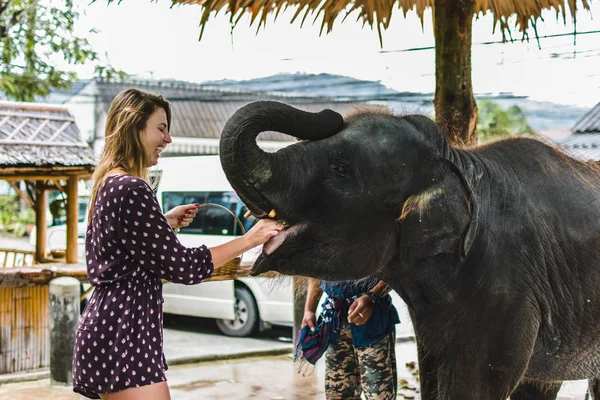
(11, 242)
(266, 377)
(269, 377)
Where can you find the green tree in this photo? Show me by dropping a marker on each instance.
(31, 32)
(495, 123)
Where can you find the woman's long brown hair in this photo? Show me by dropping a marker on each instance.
(123, 153)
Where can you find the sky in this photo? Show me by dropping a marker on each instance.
(152, 40)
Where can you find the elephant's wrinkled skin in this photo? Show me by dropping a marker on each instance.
(494, 250)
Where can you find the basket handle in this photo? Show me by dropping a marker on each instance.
(229, 211)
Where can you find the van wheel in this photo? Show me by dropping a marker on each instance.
(245, 320)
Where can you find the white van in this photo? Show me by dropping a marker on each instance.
(243, 306)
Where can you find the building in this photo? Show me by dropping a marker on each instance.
(584, 142)
(199, 112)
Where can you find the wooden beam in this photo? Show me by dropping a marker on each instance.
(37, 177)
(40, 274)
(58, 185)
(41, 204)
(17, 129)
(32, 177)
(22, 195)
(59, 131)
(43, 174)
(72, 220)
(39, 128)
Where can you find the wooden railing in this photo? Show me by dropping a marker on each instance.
(10, 258)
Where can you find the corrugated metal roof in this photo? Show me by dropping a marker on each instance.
(590, 122)
(585, 146)
(39, 135)
(201, 111)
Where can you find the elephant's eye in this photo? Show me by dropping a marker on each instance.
(341, 170)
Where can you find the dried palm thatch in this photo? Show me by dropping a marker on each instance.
(379, 12)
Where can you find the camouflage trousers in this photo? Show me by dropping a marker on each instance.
(370, 370)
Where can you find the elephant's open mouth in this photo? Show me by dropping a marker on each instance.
(264, 263)
(276, 241)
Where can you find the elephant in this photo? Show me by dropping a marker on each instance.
(494, 249)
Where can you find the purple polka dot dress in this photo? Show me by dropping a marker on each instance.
(130, 247)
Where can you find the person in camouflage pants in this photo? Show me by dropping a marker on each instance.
(361, 356)
(370, 369)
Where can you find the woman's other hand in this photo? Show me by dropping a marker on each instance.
(360, 310)
(263, 231)
(181, 216)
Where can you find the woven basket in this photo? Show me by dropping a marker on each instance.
(229, 271)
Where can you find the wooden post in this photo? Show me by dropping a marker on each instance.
(455, 106)
(64, 315)
(72, 220)
(41, 205)
(299, 303)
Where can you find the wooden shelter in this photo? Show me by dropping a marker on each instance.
(41, 146)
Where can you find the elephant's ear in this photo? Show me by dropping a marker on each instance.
(440, 220)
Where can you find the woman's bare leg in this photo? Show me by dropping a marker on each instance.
(156, 391)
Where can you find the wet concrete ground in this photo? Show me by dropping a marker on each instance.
(270, 378)
(264, 378)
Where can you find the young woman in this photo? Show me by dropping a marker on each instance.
(130, 247)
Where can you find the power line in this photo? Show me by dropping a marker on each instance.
(574, 33)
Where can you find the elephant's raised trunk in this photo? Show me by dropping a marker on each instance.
(247, 167)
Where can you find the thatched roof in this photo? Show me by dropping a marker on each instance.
(35, 137)
(379, 13)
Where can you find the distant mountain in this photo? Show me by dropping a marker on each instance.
(540, 115)
(325, 85)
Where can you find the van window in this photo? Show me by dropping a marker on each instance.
(210, 220)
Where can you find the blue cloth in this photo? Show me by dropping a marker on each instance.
(383, 319)
(312, 345)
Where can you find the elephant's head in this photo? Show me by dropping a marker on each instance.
(356, 194)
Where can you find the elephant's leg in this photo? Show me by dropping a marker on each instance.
(460, 382)
(428, 368)
(532, 390)
(594, 388)
(485, 367)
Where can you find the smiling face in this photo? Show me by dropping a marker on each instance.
(155, 136)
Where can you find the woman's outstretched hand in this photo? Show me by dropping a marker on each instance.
(263, 231)
(181, 216)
